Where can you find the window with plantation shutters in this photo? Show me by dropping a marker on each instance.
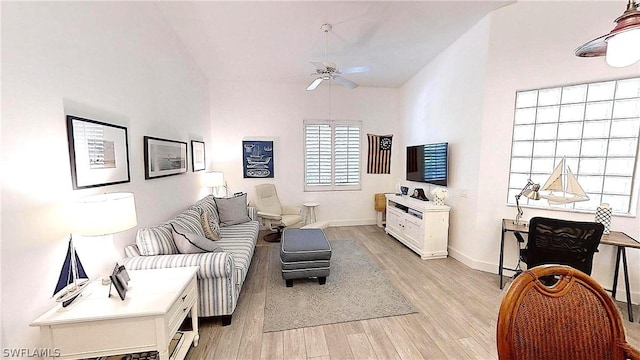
(332, 155)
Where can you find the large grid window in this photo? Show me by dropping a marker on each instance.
(594, 126)
(331, 155)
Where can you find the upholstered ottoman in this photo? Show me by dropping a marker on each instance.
(304, 253)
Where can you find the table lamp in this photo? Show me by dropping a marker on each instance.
(215, 180)
(95, 215)
(530, 191)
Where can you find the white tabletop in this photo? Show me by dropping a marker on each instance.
(151, 292)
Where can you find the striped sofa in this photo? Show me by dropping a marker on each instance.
(221, 273)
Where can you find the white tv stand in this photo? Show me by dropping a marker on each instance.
(422, 226)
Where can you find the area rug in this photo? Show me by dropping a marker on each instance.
(356, 289)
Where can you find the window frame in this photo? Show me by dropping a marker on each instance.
(584, 121)
(333, 185)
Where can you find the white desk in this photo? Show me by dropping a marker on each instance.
(96, 324)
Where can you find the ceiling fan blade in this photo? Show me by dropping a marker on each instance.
(345, 82)
(319, 65)
(355, 69)
(314, 84)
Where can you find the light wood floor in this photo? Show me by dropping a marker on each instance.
(457, 313)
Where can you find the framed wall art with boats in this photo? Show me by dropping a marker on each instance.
(164, 157)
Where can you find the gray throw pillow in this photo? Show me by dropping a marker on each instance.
(232, 210)
(190, 243)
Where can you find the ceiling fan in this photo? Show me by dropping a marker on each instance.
(327, 70)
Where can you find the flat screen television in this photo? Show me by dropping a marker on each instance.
(428, 163)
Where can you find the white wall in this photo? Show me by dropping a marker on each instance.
(443, 103)
(522, 46)
(275, 112)
(119, 63)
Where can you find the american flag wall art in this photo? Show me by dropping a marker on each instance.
(379, 155)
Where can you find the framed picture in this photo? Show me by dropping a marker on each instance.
(120, 288)
(257, 159)
(164, 157)
(123, 274)
(119, 280)
(197, 155)
(98, 152)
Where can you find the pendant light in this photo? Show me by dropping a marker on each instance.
(621, 47)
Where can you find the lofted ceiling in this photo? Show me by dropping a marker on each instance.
(262, 41)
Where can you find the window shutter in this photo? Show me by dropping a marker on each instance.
(347, 155)
(332, 155)
(318, 154)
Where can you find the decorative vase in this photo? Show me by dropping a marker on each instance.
(438, 200)
(603, 216)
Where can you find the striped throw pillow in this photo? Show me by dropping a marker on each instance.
(190, 220)
(156, 240)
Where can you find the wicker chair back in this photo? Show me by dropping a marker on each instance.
(575, 318)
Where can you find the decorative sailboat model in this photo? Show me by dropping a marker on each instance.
(73, 280)
(563, 186)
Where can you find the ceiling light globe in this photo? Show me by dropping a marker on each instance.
(623, 49)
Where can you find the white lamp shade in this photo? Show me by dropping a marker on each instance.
(623, 49)
(105, 214)
(213, 179)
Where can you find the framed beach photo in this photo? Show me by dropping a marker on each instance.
(98, 152)
(197, 156)
(164, 157)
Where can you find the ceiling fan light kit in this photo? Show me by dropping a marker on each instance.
(621, 47)
(328, 70)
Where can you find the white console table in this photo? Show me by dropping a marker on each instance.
(96, 324)
(422, 226)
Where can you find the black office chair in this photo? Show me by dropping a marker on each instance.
(564, 242)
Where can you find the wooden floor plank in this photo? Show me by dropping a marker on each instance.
(272, 346)
(293, 344)
(420, 337)
(382, 345)
(251, 339)
(400, 339)
(336, 337)
(360, 346)
(315, 342)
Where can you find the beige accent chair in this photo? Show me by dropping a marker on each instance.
(273, 214)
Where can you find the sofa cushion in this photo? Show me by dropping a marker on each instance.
(190, 243)
(210, 225)
(240, 241)
(156, 240)
(233, 210)
(207, 203)
(190, 220)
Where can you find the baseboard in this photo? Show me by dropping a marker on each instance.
(473, 263)
(352, 222)
(348, 222)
